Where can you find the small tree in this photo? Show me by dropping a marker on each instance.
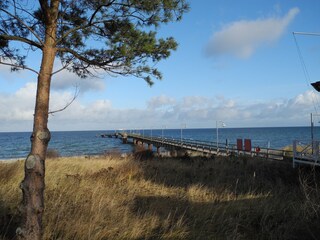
(117, 36)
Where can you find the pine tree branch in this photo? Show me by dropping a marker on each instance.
(18, 66)
(98, 9)
(20, 39)
(61, 69)
(24, 24)
(91, 22)
(76, 94)
(84, 59)
(66, 34)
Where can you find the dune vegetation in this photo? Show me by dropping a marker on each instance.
(129, 197)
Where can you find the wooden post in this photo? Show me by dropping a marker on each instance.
(124, 138)
(158, 150)
(239, 146)
(294, 148)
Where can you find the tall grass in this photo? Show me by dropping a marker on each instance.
(113, 197)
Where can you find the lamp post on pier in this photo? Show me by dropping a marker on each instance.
(183, 125)
(312, 116)
(217, 131)
(163, 127)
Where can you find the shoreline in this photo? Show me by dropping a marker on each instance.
(8, 160)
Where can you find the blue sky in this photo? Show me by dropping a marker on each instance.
(237, 62)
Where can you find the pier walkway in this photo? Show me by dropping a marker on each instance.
(205, 148)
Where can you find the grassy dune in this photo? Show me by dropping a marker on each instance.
(122, 198)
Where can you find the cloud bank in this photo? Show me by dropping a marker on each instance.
(242, 38)
(195, 111)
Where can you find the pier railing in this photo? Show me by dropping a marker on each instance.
(306, 153)
(211, 147)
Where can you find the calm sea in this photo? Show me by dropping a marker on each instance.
(17, 144)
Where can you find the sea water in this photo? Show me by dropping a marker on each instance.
(17, 144)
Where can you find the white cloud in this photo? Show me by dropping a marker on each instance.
(6, 73)
(195, 102)
(20, 105)
(160, 102)
(66, 80)
(196, 111)
(242, 38)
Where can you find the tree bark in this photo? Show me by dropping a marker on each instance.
(33, 185)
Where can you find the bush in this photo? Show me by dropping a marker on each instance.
(142, 154)
(53, 153)
(113, 153)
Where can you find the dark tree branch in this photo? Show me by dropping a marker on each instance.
(76, 93)
(98, 9)
(20, 39)
(63, 68)
(45, 9)
(66, 34)
(24, 24)
(18, 66)
(84, 59)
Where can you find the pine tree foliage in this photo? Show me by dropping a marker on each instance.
(118, 36)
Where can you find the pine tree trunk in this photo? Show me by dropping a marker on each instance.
(33, 184)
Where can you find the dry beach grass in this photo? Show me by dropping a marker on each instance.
(113, 197)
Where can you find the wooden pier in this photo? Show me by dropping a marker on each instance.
(301, 153)
(205, 148)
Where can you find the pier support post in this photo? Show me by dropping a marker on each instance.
(158, 150)
(150, 146)
(124, 138)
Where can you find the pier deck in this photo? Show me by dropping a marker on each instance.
(202, 147)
